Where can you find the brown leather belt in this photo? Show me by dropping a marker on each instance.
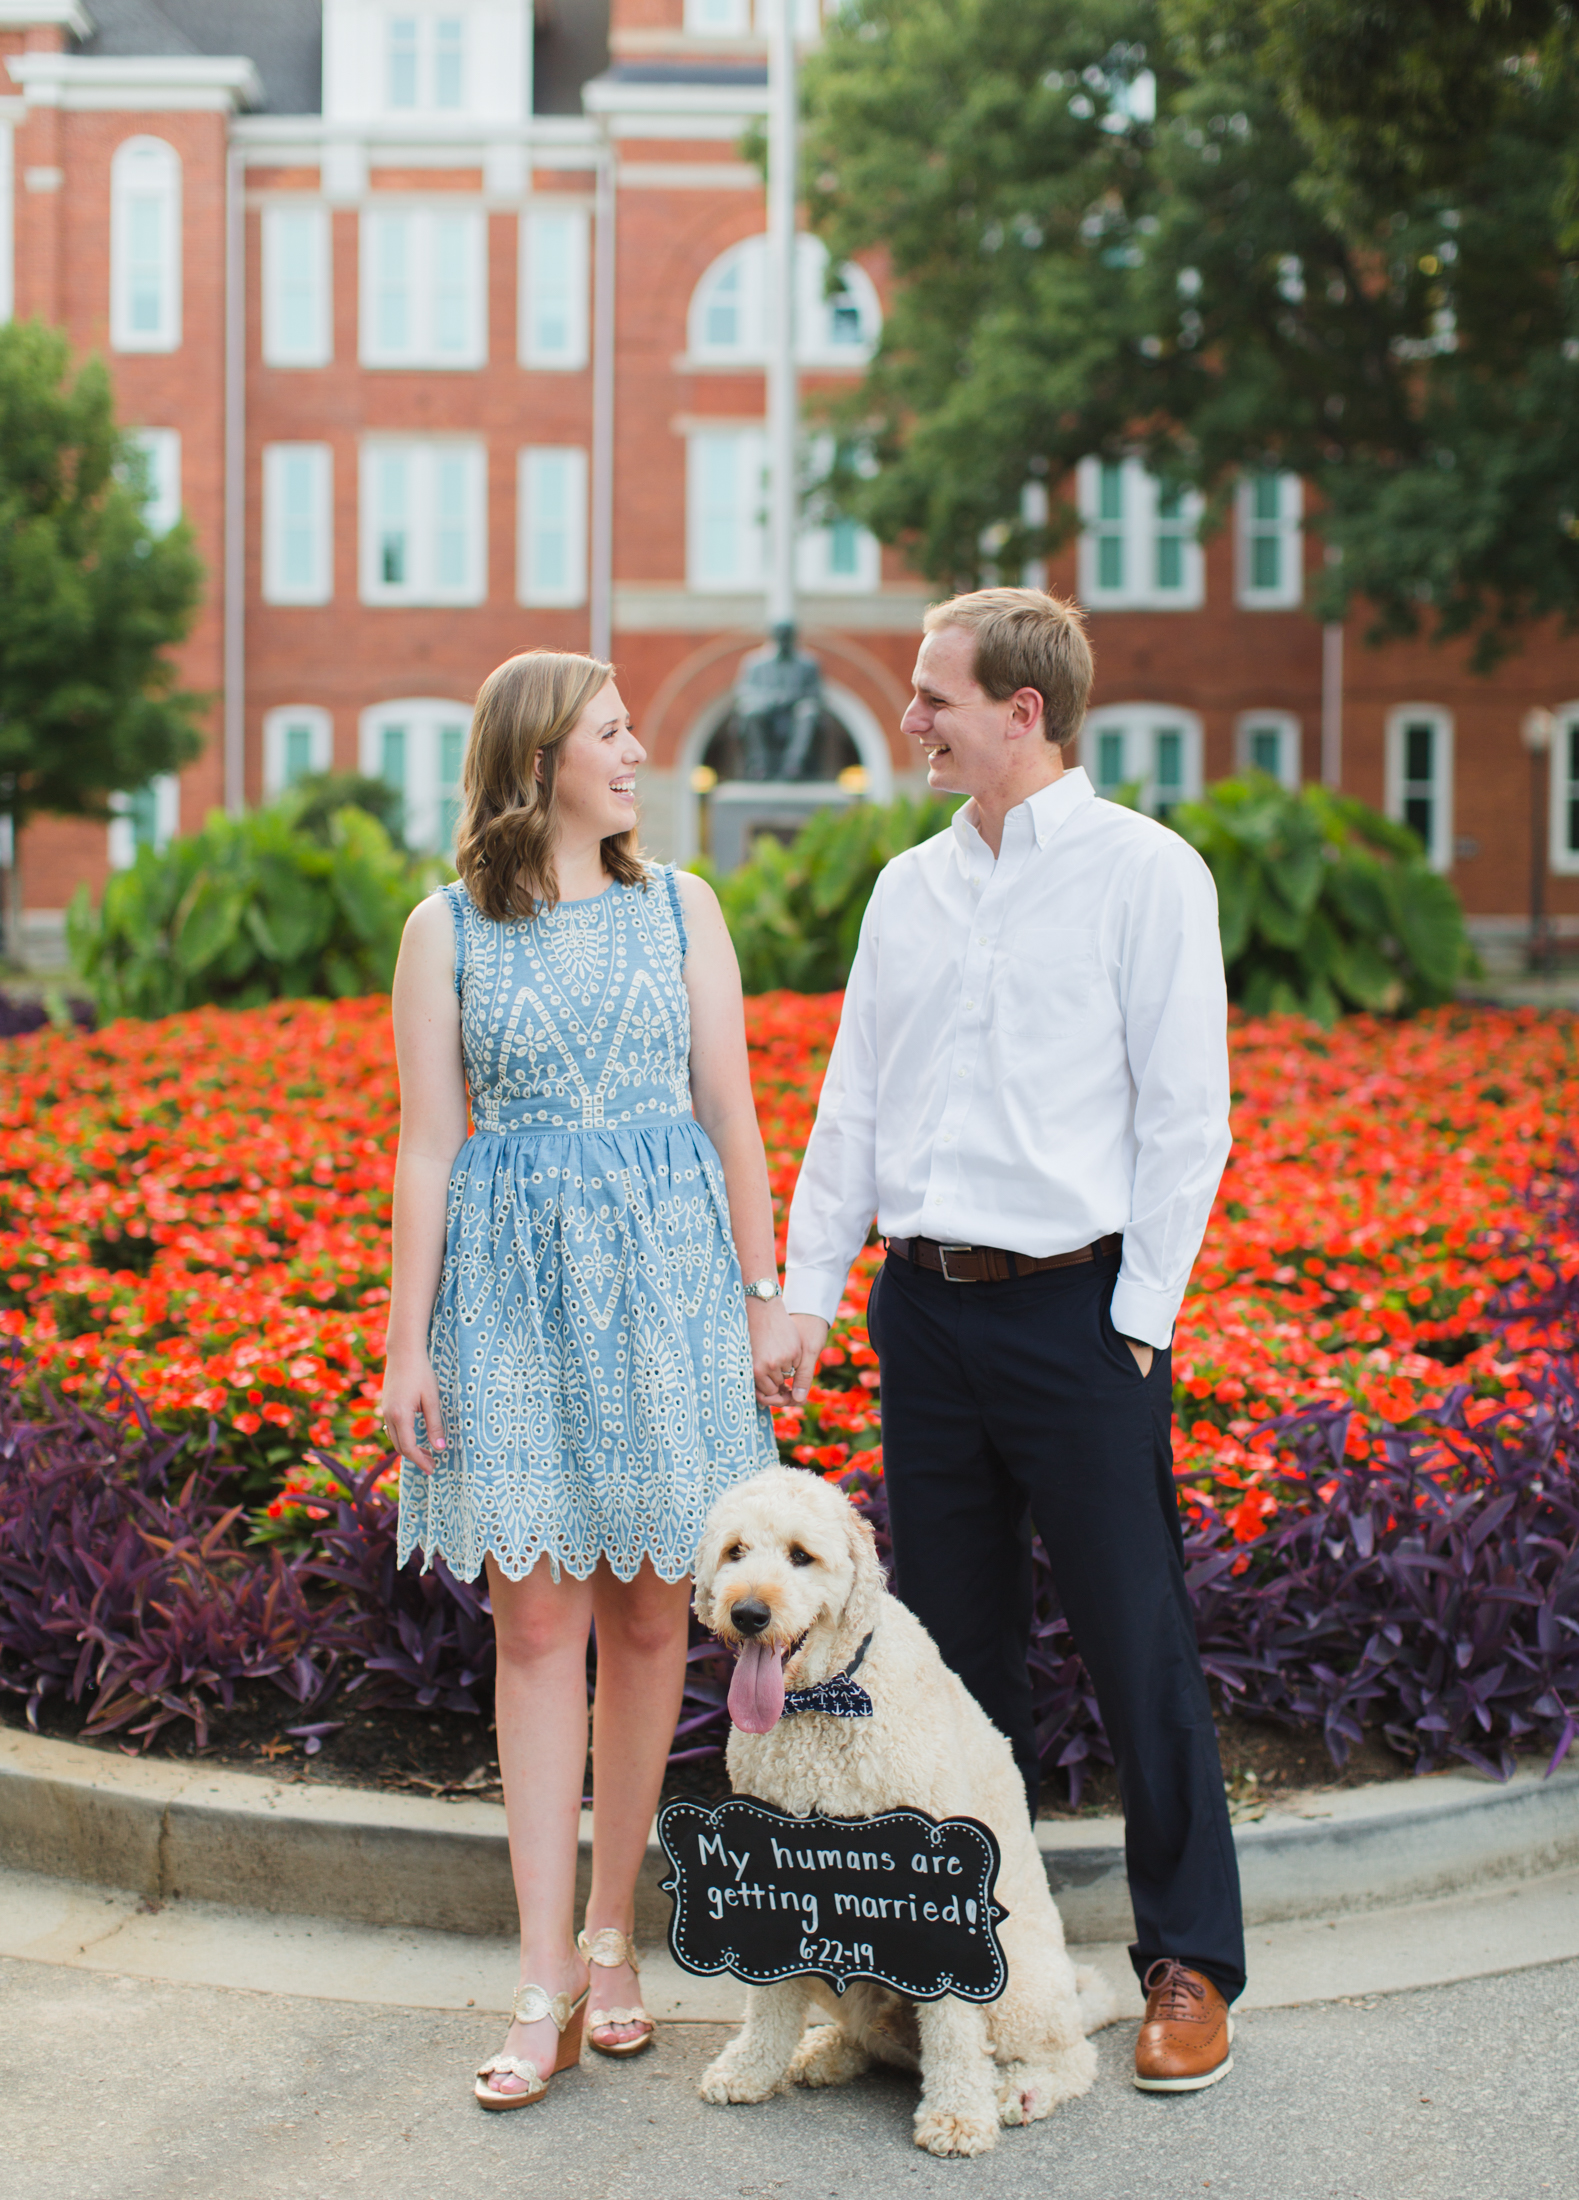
(989, 1263)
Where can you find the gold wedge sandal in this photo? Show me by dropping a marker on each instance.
(530, 2006)
(609, 1948)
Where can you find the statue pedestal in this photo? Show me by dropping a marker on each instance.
(740, 809)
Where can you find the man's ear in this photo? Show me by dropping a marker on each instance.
(1026, 712)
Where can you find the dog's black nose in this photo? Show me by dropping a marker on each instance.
(749, 1616)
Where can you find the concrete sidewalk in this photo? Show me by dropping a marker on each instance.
(117, 2089)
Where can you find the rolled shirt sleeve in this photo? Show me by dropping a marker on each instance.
(1176, 1033)
(836, 1194)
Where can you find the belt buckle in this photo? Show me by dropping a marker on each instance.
(943, 1254)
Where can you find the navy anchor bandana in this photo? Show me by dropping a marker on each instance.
(841, 1695)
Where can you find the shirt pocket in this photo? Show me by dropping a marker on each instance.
(1047, 980)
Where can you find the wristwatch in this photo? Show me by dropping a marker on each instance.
(765, 1287)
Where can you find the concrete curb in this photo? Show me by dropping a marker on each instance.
(162, 1830)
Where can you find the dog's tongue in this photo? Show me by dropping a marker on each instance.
(756, 1694)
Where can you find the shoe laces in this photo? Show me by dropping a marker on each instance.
(1174, 1989)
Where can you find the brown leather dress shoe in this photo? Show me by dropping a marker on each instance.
(1187, 2038)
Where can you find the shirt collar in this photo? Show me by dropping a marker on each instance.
(1049, 808)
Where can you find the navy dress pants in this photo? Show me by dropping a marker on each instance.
(1017, 1403)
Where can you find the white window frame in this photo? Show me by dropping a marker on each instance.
(816, 325)
(536, 468)
(7, 226)
(718, 18)
(424, 584)
(426, 24)
(1138, 725)
(311, 465)
(1287, 727)
(425, 790)
(145, 168)
(161, 448)
(1439, 852)
(1564, 791)
(122, 850)
(537, 345)
(278, 726)
(1140, 528)
(431, 262)
(743, 568)
(314, 345)
(1286, 529)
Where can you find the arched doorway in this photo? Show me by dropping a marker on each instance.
(720, 813)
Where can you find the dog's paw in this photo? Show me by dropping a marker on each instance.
(828, 2056)
(728, 2080)
(942, 2131)
(1029, 2091)
(1098, 2002)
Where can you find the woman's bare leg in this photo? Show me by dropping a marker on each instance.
(642, 1636)
(540, 1704)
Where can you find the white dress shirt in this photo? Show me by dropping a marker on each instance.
(1033, 1053)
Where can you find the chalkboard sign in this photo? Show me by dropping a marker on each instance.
(904, 1899)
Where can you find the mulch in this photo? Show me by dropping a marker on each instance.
(446, 1754)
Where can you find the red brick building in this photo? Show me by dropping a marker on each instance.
(445, 328)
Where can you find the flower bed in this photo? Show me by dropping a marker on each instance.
(1373, 1371)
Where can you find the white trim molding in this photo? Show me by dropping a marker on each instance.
(1256, 731)
(27, 15)
(1563, 799)
(1419, 776)
(137, 83)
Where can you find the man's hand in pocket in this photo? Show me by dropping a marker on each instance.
(1143, 1355)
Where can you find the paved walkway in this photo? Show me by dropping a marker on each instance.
(1452, 2093)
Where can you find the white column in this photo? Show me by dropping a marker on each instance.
(600, 578)
(783, 393)
(235, 519)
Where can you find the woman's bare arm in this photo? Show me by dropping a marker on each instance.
(432, 1131)
(722, 1099)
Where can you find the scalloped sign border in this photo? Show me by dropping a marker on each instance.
(903, 1899)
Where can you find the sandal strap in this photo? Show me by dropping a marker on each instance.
(597, 2018)
(533, 2003)
(513, 2066)
(608, 1947)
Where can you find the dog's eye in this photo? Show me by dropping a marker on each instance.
(798, 1557)
(735, 1550)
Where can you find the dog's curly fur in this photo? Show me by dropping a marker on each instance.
(796, 1544)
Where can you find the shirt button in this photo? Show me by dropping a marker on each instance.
(970, 1004)
(981, 939)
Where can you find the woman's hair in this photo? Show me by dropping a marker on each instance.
(504, 849)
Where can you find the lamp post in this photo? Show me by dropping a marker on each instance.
(1536, 733)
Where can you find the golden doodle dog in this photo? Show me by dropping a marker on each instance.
(788, 1578)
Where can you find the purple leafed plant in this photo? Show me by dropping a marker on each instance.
(116, 1584)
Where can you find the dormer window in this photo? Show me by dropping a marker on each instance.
(425, 63)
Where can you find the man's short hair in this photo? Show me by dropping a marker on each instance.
(1026, 638)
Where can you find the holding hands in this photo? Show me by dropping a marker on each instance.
(784, 1349)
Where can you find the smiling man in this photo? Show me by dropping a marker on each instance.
(1029, 1090)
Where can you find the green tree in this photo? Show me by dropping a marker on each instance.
(1300, 234)
(91, 600)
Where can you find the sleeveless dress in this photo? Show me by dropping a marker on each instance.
(589, 1334)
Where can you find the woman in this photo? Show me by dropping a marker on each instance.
(573, 1371)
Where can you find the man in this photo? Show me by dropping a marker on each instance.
(1030, 1090)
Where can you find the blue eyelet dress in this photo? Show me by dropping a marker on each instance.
(589, 1334)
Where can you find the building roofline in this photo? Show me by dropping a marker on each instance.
(137, 83)
(68, 15)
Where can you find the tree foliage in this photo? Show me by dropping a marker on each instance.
(1333, 238)
(91, 600)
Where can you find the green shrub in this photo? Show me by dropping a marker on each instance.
(1324, 905)
(250, 909)
(795, 913)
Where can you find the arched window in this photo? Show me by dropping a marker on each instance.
(1149, 748)
(729, 309)
(416, 746)
(145, 246)
(298, 740)
(1268, 741)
